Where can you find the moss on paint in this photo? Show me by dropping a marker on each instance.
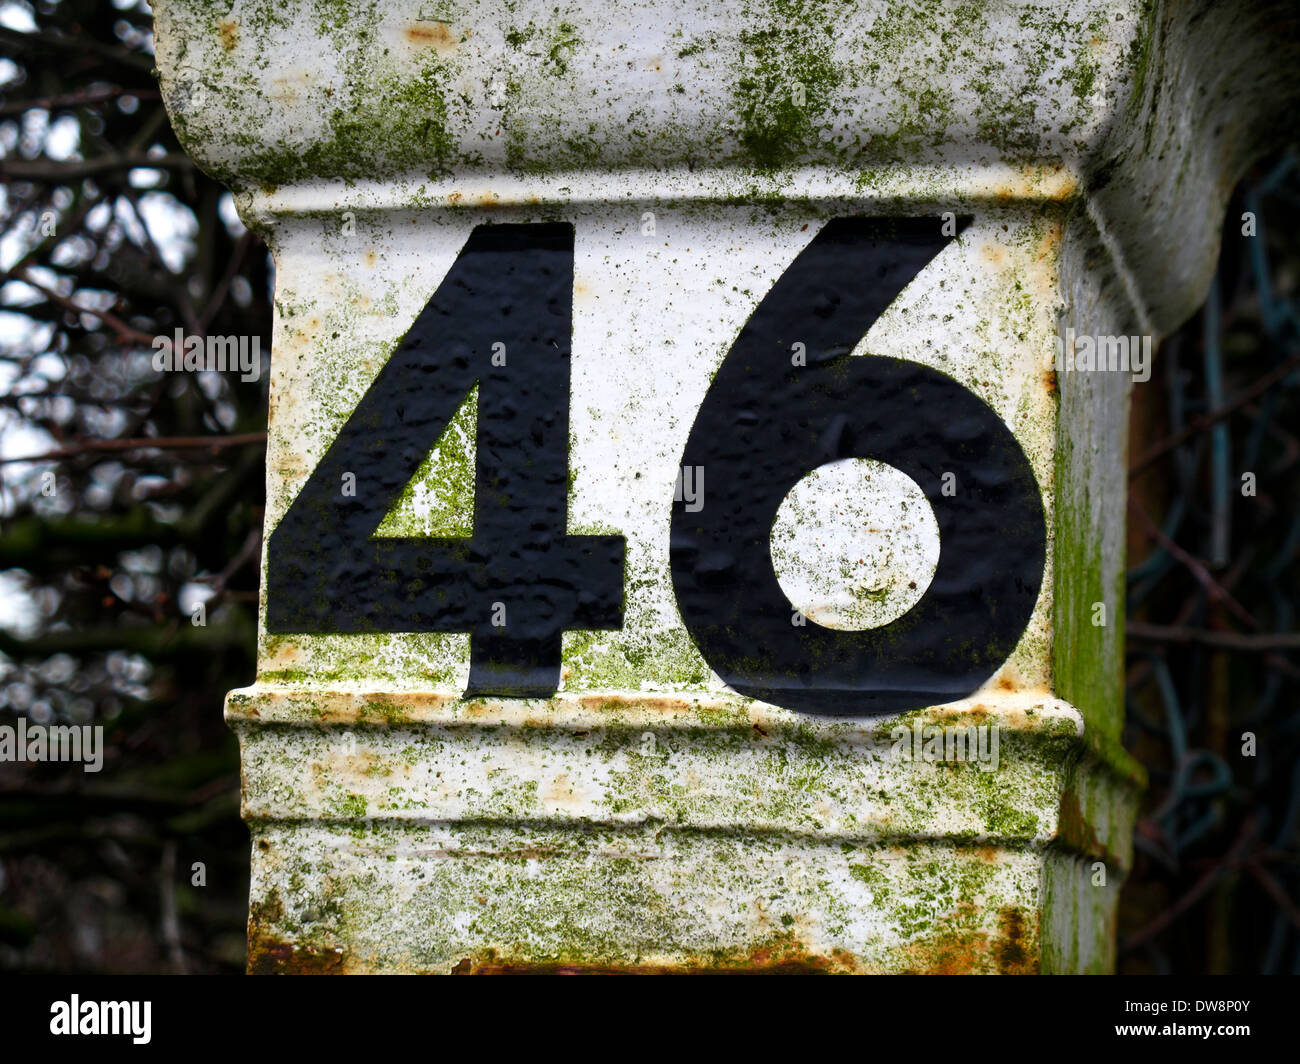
(398, 124)
(510, 900)
(439, 499)
(785, 82)
(797, 93)
(1085, 666)
(387, 112)
(1139, 54)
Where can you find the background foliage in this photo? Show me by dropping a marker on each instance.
(111, 236)
(1212, 596)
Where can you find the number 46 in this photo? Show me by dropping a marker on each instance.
(764, 425)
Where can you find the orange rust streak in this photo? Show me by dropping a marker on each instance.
(965, 952)
(434, 33)
(784, 955)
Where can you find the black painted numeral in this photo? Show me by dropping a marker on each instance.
(766, 423)
(520, 580)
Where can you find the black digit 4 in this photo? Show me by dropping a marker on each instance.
(519, 581)
(766, 423)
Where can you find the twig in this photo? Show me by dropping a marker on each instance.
(1161, 633)
(232, 268)
(74, 99)
(171, 927)
(158, 443)
(1217, 592)
(52, 170)
(123, 330)
(1204, 421)
(252, 544)
(80, 44)
(1171, 913)
(1275, 891)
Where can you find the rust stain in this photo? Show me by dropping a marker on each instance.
(455, 199)
(791, 968)
(1075, 831)
(994, 253)
(435, 35)
(361, 763)
(1067, 189)
(229, 30)
(561, 793)
(286, 654)
(965, 951)
(1012, 955)
(1049, 246)
(783, 955)
(406, 700)
(291, 467)
(1056, 184)
(1008, 678)
(617, 701)
(1011, 950)
(269, 956)
(371, 258)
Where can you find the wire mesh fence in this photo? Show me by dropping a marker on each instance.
(1211, 686)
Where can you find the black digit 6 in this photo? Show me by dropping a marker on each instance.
(765, 424)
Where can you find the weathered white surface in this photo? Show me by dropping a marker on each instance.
(855, 544)
(653, 318)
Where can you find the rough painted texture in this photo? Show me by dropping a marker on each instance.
(699, 764)
(495, 898)
(647, 341)
(647, 818)
(425, 91)
(1210, 87)
(1093, 484)
(883, 566)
